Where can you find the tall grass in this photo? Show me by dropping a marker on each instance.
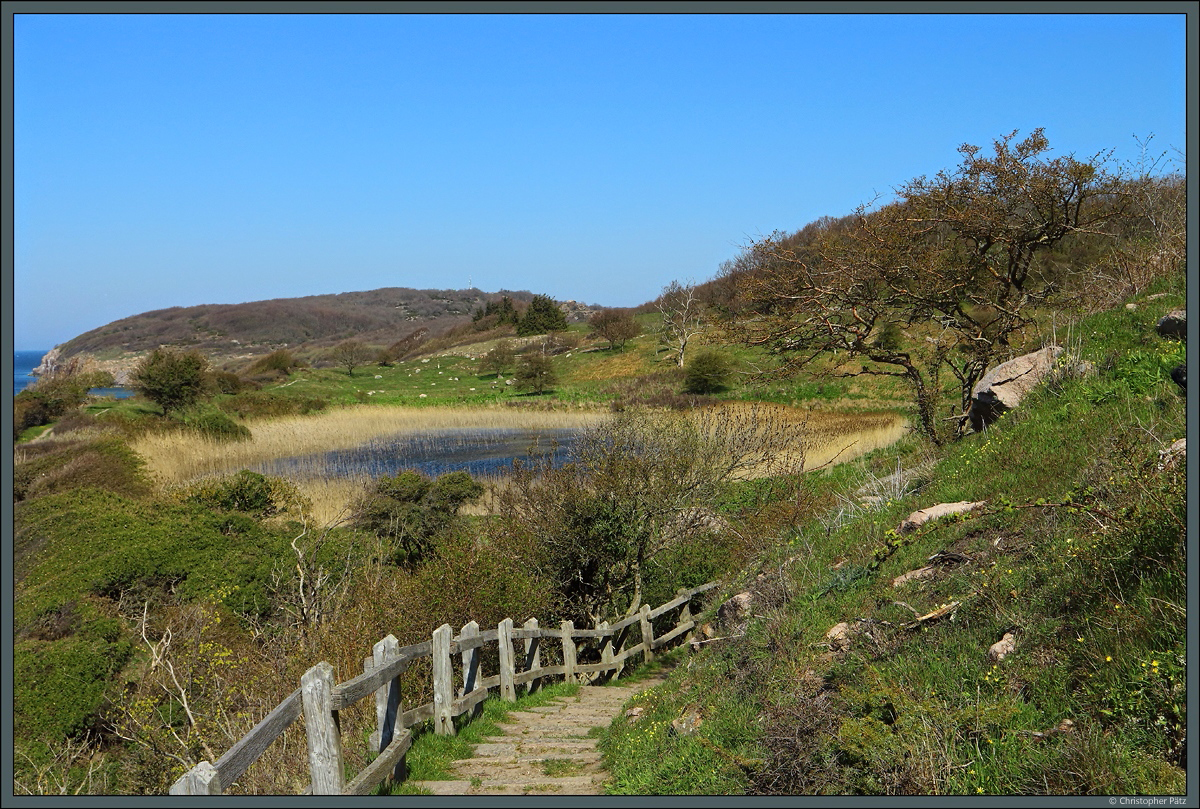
(177, 457)
(811, 439)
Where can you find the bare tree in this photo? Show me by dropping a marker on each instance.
(636, 486)
(615, 325)
(684, 316)
(351, 354)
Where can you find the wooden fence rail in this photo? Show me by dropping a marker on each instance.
(319, 699)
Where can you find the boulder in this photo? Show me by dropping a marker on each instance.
(839, 636)
(1003, 387)
(919, 518)
(1179, 376)
(1002, 648)
(734, 613)
(1173, 324)
(687, 724)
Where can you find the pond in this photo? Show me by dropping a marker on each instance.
(481, 452)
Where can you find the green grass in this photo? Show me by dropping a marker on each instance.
(1080, 550)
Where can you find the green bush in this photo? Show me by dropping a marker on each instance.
(248, 492)
(104, 462)
(707, 371)
(215, 424)
(413, 511)
(261, 404)
(173, 380)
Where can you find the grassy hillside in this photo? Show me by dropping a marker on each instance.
(1079, 554)
(382, 315)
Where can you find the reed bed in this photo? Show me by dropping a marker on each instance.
(786, 439)
(177, 457)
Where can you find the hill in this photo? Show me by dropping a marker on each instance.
(380, 315)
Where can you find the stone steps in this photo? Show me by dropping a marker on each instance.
(543, 750)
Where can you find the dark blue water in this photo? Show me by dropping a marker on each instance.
(481, 453)
(23, 363)
(26, 361)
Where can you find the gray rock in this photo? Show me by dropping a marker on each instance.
(1173, 324)
(1003, 387)
(734, 613)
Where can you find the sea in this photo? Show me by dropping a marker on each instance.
(25, 361)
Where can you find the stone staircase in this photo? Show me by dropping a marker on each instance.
(543, 750)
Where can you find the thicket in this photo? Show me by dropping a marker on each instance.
(54, 395)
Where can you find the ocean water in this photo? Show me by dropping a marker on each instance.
(25, 361)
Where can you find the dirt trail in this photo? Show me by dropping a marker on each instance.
(544, 750)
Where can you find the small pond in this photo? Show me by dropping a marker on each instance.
(479, 452)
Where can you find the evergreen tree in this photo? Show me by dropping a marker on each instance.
(542, 316)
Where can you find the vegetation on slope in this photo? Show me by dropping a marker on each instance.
(1079, 553)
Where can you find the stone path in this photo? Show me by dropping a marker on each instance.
(544, 750)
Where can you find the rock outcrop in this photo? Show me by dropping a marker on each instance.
(1003, 387)
(1173, 324)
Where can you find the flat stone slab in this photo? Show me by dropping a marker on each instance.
(516, 762)
(572, 785)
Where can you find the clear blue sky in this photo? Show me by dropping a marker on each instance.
(173, 160)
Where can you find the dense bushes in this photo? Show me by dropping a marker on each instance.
(411, 511)
(261, 404)
(246, 491)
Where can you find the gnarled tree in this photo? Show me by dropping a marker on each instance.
(955, 256)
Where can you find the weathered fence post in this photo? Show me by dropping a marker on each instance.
(470, 663)
(647, 634)
(685, 615)
(606, 653)
(387, 702)
(321, 728)
(568, 644)
(508, 690)
(199, 780)
(533, 655)
(443, 682)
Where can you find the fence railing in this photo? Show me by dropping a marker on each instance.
(319, 699)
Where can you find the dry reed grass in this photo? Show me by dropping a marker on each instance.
(813, 438)
(177, 457)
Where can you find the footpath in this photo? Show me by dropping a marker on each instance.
(543, 750)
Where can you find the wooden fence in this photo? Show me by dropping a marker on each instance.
(319, 699)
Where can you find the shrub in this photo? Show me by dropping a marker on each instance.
(412, 511)
(707, 372)
(54, 395)
(500, 357)
(173, 380)
(261, 404)
(281, 361)
(542, 316)
(535, 373)
(226, 382)
(615, 325)
(215, 424)
(52, 466)
(248, 492)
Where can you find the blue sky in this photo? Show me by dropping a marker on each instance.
(174, 160)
